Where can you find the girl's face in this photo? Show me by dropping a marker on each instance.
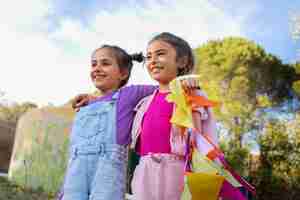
(105, 72)
(161, 61)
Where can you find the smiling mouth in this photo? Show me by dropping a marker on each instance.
(99, 76)
(157, 67)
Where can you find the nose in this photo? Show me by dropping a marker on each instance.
(96, 66)
(152, 60)
(95, 69)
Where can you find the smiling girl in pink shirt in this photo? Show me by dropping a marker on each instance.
(159, 175)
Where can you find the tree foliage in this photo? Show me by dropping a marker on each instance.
(239, 69)
(278, 175)
(243, 77)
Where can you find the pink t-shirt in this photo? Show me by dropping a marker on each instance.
(156, 126)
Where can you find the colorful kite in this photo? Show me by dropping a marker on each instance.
(207, 176)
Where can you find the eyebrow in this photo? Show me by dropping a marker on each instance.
(157, 51)
(101, 60)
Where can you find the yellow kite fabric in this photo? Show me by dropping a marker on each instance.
(200, 163)
(182, 116)
(202, 186)
(183, 113)
(206, 179)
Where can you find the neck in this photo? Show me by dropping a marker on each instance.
(164, 87)
(107, 91)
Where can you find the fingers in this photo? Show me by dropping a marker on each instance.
(190, 84)
(79, 101)
(82, 102)
(184, 85)
(74, 102)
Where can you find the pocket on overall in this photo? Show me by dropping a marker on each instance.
(90, 123)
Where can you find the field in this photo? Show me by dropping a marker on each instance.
(10, 191)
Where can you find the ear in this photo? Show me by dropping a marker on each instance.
(182, 62)
(124, 74)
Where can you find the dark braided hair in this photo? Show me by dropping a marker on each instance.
(124, 60)
(139, 57)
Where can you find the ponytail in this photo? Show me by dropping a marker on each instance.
(138, 57)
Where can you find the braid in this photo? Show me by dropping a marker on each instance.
(137, 57)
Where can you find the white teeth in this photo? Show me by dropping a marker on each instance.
(99, 76)
(158, 67)
(155, 69)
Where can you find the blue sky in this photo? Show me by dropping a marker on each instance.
(270, 27)
(267, 24)
(46, 44)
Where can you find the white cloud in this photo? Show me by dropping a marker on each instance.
(23, 16)
(33, 68)
(52, 67)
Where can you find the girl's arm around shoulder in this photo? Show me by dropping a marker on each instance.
(134, 93)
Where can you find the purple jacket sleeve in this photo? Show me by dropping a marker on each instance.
(135, 93)
(128, 99)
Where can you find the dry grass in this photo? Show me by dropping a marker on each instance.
(10, 191)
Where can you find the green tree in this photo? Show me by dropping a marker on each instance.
(296, 83)
(295, 33)
(278, 175)
(244, 78)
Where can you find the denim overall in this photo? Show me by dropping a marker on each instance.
(97, 165)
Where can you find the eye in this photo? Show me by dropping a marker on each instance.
(148, 57)
(105, 63)
(161, 53)
(94, 63)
